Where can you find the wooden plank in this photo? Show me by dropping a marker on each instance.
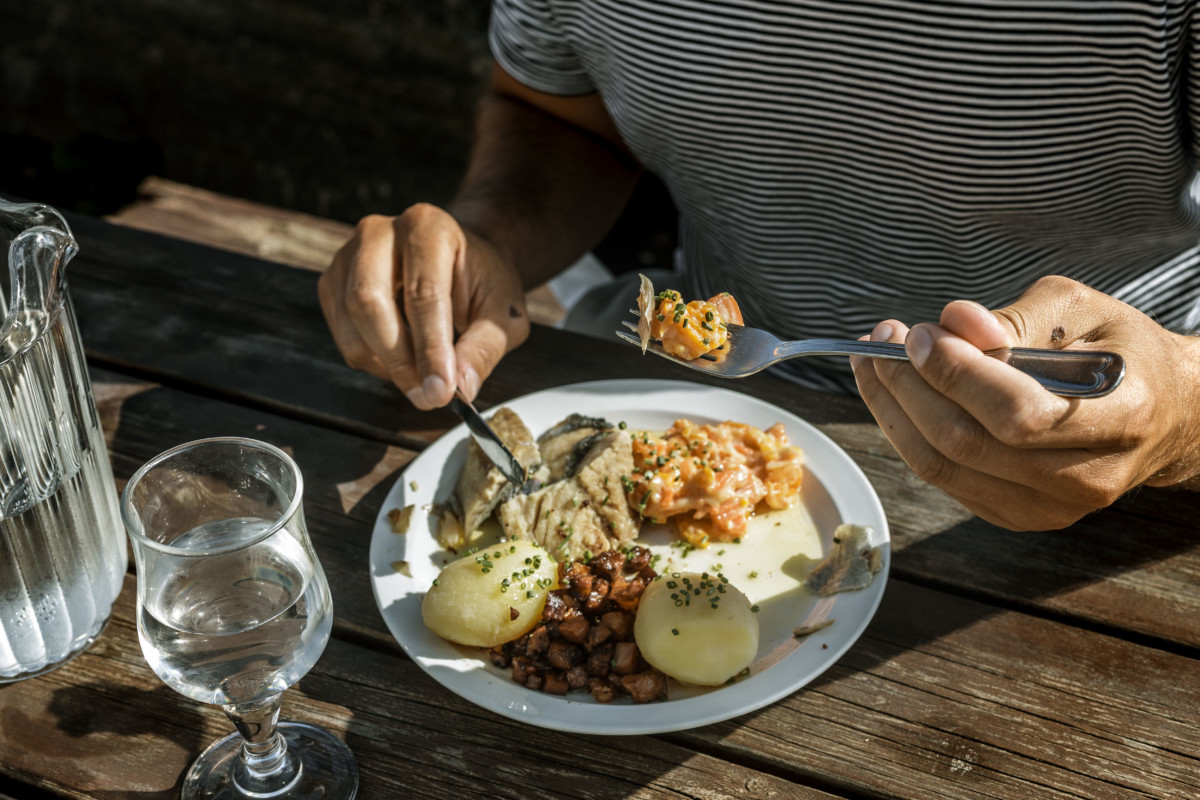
(345, 476)
(118, 732)
(949, 698)
(943, 697)
(273, 234)
(252, 331)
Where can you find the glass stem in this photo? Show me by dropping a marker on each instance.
(264, 751)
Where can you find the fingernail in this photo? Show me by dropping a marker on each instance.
(883, 331)
(470, 383)
(417, 397)
(918, 344)
(423, 396)
(434, 386)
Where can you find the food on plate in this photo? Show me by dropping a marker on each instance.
(492, 596)
(696, 627)
(709, 479)
(809, 630)
(399, 518)
(586, 512)
(851, 564)
(481, 486)
(562, 447)
(585, 638)
(686, 330)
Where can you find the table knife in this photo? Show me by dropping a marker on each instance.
(490, 443)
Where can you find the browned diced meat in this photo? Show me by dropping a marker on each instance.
(522, 668)
(581, 584)
(584, 641)
(577, 677)
(625, 658)
(563, 655)
(575, 629)
(481, 486)
(558, 607)
(599, 634)
(499, 657)
(609, 564)
(637, 559)
(537, 641)
(645, 686)
(621, 624)
(555, 683)
(597, 601)
(599, 662)
(602, 690)
(626, 594)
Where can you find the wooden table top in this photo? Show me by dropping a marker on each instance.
(999, 665)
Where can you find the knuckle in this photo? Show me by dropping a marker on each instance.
(1023, 423)
(365, 299)
(420, 215)
(964, 443)
(371, 222)
(421, 292)
(931, 466)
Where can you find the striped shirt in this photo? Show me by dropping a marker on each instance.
(839, 162)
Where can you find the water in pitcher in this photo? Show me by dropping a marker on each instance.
(62, 552)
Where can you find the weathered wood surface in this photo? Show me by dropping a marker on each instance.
(249, 331)
(999, 666)
(942, 697)
(255, 229)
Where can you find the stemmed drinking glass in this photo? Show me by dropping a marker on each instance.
(233, 608)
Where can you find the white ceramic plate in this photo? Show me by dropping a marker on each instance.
(834, 491)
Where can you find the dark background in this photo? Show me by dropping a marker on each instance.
(334, 109)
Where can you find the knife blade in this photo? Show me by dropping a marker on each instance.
(489, 442)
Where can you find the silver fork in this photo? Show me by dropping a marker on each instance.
(1067, 373)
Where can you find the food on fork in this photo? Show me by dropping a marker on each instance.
(709, 479)
(686, 330)
(696, 627)
(491, 597)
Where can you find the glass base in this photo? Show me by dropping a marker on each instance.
(321, 767)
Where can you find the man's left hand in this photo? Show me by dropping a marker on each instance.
(1010, 451)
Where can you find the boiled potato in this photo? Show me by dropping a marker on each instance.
(702, 638)
(490, 597)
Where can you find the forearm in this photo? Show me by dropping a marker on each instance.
(541, 190)
(1183, 446)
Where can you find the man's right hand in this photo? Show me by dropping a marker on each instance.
(400, 290)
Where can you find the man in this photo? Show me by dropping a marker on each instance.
(835, 164)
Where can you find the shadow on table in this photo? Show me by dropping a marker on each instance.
(120, 723)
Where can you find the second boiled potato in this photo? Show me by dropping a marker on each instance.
(697, 628)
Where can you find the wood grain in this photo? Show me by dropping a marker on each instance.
(266, 345)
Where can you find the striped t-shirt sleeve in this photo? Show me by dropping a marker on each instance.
(531, 46)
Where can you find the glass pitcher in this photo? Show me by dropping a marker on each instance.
(62, 548)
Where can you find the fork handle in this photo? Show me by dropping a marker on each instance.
(1067, 373)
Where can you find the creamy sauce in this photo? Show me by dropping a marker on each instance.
(769, 565)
